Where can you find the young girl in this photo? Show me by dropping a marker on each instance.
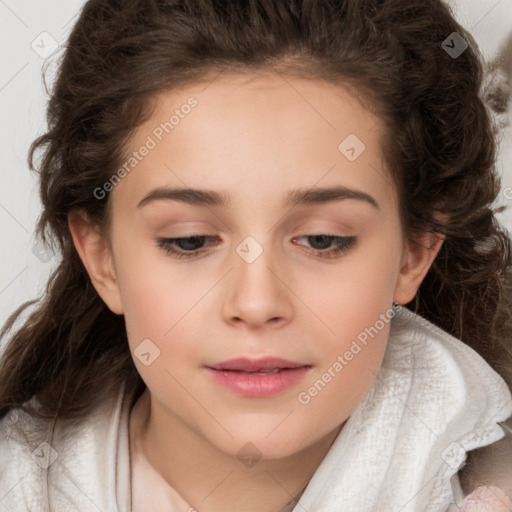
(282, 280)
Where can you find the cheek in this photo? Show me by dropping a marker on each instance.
(358, 290)
(156, 299)
(358, 314)
(349, 369)
(159, 313)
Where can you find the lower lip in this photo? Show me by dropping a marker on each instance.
(257, 384)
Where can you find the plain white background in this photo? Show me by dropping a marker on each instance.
(28, 32)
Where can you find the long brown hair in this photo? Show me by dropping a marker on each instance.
(72, 352)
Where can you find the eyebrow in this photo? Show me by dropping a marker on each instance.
(301, 196)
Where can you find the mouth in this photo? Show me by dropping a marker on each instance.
(260, 372)
(258, 381)
(263, 365)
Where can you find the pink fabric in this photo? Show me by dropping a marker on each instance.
(485, 499)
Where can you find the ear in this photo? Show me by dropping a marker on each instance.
(95, 253)
(416, 260)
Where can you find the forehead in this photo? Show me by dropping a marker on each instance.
(248, 132)
(315, 100)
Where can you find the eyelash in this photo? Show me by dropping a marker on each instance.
(345, 243)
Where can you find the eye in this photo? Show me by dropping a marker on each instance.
(187, 247)
(319, 242)
(191, 245)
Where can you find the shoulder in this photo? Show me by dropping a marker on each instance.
(45, 462)
(484, 401)
(431, 345)
(468, 392)
(23, 457)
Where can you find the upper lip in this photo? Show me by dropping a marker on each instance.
(251, 365)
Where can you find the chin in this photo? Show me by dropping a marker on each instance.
(250, 446)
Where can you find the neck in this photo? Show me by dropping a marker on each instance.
(211, 480)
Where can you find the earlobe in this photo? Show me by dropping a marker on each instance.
(417, 259)
(95, 253)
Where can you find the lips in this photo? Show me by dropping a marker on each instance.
(258, 378)
(261, 365)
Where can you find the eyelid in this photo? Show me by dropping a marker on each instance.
(345, 244)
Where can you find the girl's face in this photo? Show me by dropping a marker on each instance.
(291, 160)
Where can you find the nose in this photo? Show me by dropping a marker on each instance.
(258, 292)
